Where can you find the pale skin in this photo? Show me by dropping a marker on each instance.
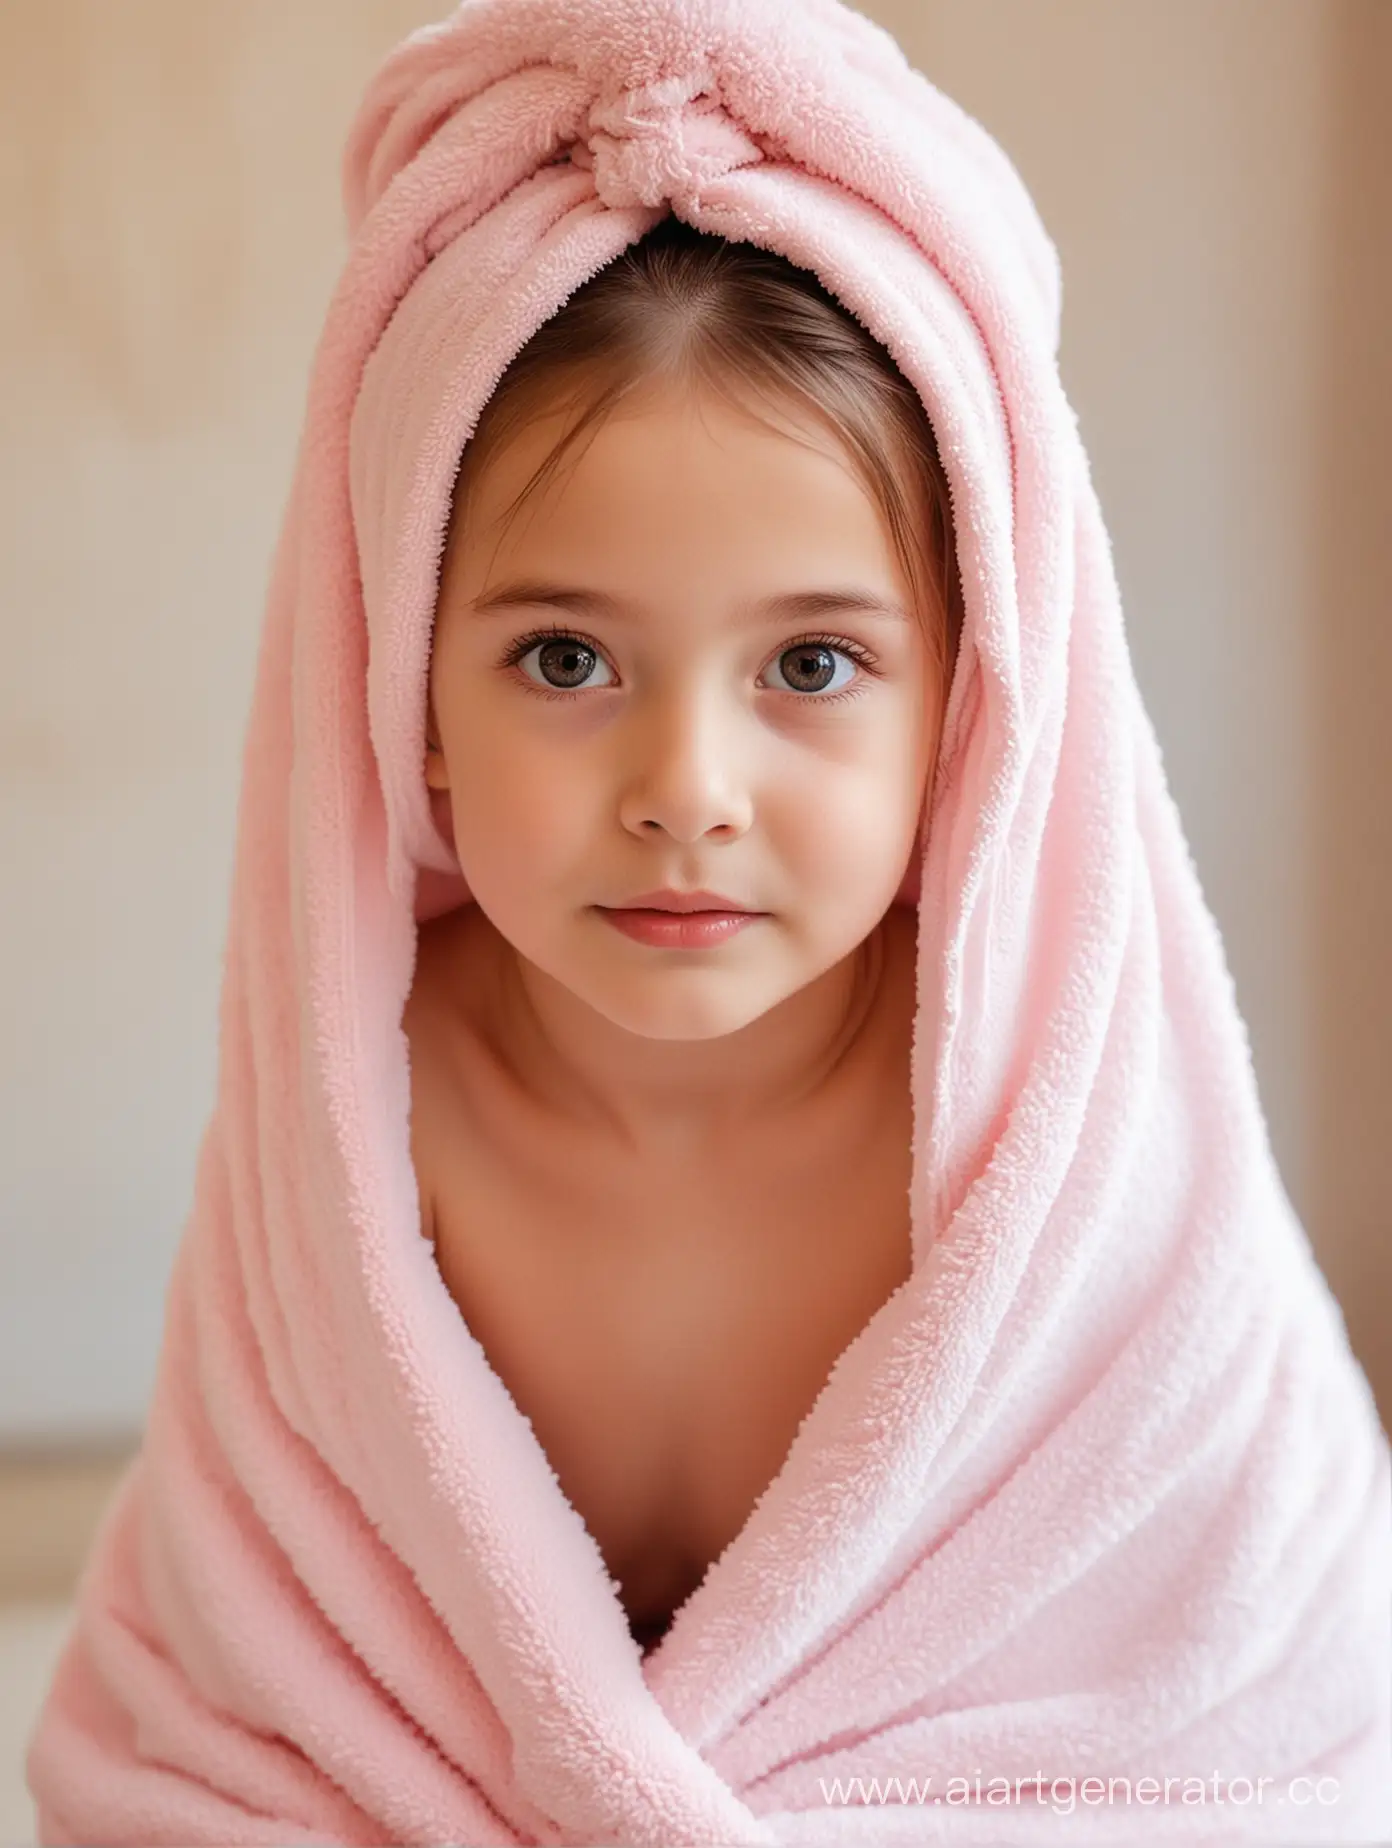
(687, 756)
(667, 1188)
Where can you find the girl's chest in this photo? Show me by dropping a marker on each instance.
(666, 1326)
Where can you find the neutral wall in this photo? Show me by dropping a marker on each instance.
(171, 220)
(1350, 656)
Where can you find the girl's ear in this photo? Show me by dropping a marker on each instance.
(436, 775)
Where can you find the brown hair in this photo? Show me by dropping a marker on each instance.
(746, 323)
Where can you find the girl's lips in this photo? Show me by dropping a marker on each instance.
(670, 898)
(679, 930)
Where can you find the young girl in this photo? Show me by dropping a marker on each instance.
(704, 677)
(862, 1380)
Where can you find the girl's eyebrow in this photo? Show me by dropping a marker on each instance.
(802, 604)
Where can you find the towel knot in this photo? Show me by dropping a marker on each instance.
(662, 140)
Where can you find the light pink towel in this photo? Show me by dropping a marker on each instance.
(1098, 1493)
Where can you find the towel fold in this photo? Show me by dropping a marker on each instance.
(1098, 1493)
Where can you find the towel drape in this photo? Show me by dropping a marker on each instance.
(1098, 1493)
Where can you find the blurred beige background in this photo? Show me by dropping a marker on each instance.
(1217, 175)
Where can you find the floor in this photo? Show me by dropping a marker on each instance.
(49, 1506)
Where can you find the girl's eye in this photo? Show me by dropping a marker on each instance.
(810, 666)
(807, 665)
(567, 656)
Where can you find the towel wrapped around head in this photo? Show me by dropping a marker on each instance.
(1098, 1494)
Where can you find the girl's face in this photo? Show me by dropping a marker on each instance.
(736, 697)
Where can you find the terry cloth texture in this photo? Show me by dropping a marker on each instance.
(1098, 1492)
